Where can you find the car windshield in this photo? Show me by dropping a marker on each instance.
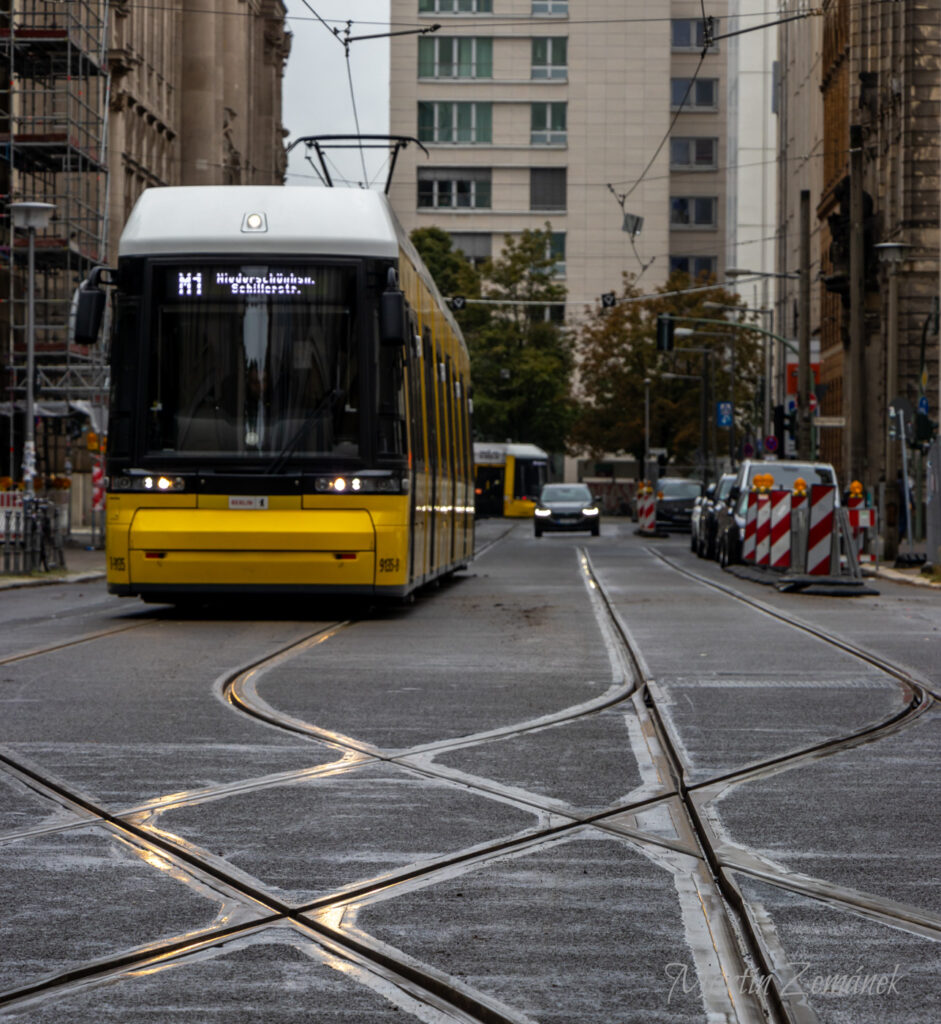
(564, 492)
(679, 488)
(725, 488)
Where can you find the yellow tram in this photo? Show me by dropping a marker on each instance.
(508, 478)
(290, 406)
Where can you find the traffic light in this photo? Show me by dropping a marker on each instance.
(925, 427)
(665, 328)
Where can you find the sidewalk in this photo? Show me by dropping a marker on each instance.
(82, 563)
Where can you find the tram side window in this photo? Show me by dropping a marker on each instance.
(415, 407)
(531, 474)
(392, 440)
(430, 392)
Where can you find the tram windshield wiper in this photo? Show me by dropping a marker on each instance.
(325, 405)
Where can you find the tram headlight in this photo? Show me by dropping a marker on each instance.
(365, 484)
(150, 482)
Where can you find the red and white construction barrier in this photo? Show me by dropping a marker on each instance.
(763, 530)
(647, 512)
(11, 499)
(98, 486)
(780, 529)
(820, 532)
(751, 523)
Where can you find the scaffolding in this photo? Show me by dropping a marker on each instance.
(53, 149)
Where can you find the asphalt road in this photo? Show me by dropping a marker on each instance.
(591, 780)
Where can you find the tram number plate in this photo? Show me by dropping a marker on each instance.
(247, 501)
(388, 565)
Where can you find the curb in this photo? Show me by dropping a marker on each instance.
(19, 582)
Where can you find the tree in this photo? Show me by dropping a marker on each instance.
(521, 359)
(617, 351)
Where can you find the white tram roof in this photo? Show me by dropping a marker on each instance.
(495, 452)
(298, 220)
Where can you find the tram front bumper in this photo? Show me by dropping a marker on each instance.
(218, 550)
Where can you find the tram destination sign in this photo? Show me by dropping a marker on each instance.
(231, 283)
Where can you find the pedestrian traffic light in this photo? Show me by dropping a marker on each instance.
(665, 327)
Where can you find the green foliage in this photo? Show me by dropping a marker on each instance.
(521, 363)
(617, 351)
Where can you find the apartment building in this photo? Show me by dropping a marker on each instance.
(588, 117)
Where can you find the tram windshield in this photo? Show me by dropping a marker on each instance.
(254, 361)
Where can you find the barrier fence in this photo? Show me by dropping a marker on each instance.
(31, 535)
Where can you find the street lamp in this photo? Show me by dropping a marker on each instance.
(740, 272)
(892, 255)
(646, 424)
(33, 217)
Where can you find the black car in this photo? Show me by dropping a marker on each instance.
(675, 497)
(566, 507)
(705, 516)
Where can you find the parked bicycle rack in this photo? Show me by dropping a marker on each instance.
(30, 537)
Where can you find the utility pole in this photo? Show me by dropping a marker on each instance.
(854, 382)
(803, 333)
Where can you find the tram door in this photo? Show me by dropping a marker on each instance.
(488, 490)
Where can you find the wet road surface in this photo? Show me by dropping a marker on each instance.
(588, 780)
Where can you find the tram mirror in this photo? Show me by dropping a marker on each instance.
(88, 307)
(392, 325)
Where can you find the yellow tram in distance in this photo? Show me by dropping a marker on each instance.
(290, 409)
(508, 478)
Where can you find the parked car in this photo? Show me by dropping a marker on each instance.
(675, 497)
(705, 514)
(566, 507)
(730, 517)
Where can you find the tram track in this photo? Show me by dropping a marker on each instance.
(324, 918)
(788, 1003)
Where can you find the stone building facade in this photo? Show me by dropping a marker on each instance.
(873, 107)
(195, 97)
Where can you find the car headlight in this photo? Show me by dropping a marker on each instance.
(543, 513)
(589, 511)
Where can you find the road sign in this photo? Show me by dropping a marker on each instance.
(458, 302)
(724, 412)
(812, 402)
(923, 405)
(771, 443)
(748, 450)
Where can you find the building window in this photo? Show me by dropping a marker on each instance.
(547, 188)
(694, 154)
(476, 245)
(467, 123)
(693, 211)
(698, 94)
(547, 124)
(689, 34)
(550, 57)
(455, 57)
(454, 188)
(550, 7)
(455, 6)
(555, 249)
(695, 266)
